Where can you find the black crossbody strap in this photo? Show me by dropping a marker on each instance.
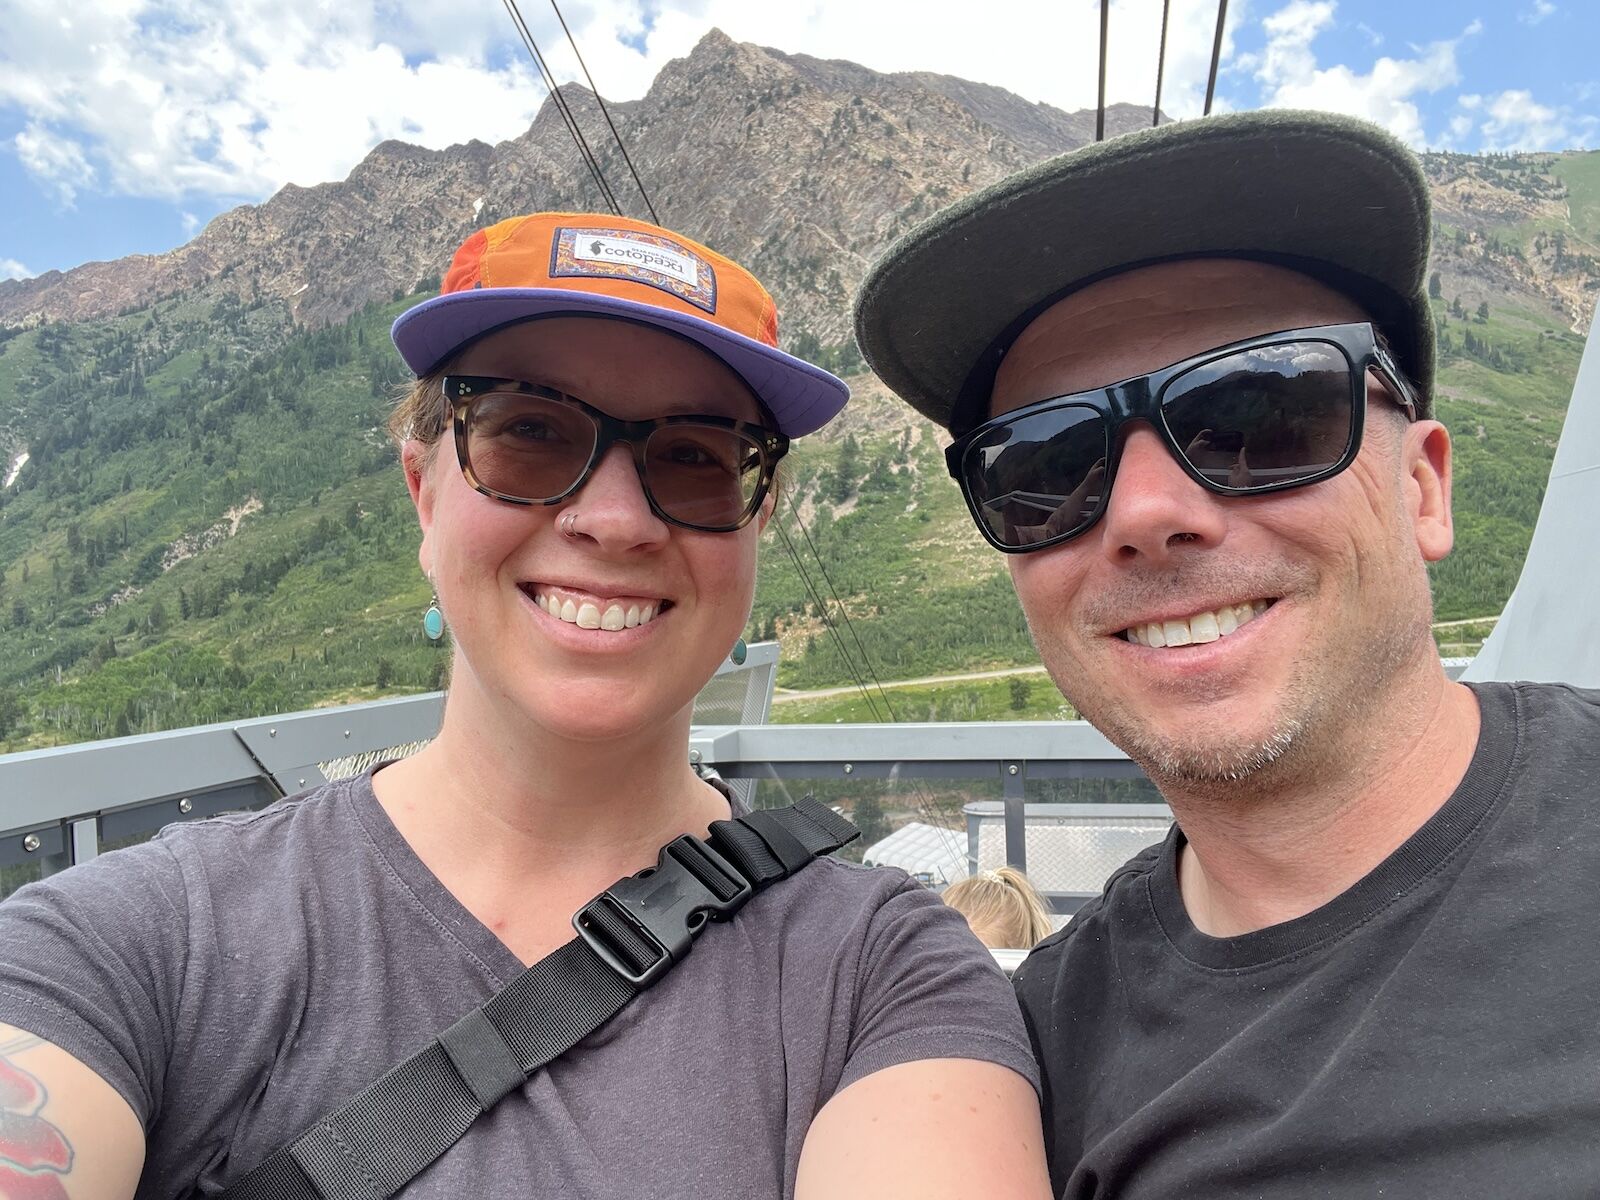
(628, 937)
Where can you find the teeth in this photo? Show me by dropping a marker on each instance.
(587, 614)
(1198, 629)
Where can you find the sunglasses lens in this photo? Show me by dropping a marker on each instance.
(1264, 417)
(705, 476)
(1039, 477)
(528, 447)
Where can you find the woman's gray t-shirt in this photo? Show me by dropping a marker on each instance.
(236, 978)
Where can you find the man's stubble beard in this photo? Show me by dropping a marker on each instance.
(1334, 692)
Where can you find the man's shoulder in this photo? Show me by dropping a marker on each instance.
(1124, 898)
(1555, 701)
(1554, 727)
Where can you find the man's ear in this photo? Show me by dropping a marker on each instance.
(1426, 451)
(417, 457)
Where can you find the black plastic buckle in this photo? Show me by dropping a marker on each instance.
(667, 904)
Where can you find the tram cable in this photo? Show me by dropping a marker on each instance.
(1161, 63)
(1100, 107)
(567, 116)
(843, 612)
(1216, 55)
(606, 113)
(827, 621)
(926, 806)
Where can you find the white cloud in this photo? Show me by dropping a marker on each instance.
(189, 98)
(1291, 76)
(1538, 11)
(1514, 120)
(10, 268)
(173, 98)
(190, 223)
(57, 161)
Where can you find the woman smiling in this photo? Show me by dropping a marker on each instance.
(591, 447)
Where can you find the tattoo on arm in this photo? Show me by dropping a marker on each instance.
(34, 1155)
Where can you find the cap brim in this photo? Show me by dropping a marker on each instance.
(802, 398)
(1326, 194)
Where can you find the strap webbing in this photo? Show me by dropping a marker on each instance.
(629, 936)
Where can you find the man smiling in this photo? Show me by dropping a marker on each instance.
(1190, 374)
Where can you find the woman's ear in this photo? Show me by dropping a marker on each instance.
(417, 460)
(769, 505)
(416, 457)
(1427, 470)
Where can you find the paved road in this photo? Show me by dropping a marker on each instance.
(782, 696)
(1464, 621)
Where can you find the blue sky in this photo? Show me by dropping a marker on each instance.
(126, 125)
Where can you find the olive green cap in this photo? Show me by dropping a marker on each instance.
(1336, 198)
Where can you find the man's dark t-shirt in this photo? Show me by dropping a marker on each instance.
(1432, 1032)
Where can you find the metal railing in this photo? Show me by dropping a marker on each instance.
(1055, 798)
(66, 804)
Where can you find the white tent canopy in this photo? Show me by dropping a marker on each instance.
(934, 853)
(1547, 631)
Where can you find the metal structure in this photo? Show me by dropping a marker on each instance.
(66, 804)
(983, 783)
(1547, 630)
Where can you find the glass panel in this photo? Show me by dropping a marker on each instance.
(917, 824)
(20, 866)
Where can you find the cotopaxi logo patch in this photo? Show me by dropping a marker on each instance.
(646, 258)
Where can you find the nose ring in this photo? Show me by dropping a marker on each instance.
(568, 524)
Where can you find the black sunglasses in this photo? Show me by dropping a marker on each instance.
(1272, 412)
(526, 444)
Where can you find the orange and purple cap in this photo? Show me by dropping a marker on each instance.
(585, 264)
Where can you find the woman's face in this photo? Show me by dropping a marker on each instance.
(505, 574)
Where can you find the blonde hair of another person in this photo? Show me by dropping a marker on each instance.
(1004, 909)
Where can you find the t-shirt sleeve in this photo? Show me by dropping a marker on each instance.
(93, 960)
(927, 988)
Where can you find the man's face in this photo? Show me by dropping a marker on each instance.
(1324, 588)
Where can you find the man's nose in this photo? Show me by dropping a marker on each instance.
(1155, 506)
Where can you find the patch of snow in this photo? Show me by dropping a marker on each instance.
(15, 469)
(303, 287)
(477, 207)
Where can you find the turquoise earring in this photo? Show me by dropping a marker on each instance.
(433, 621)
(740, 653)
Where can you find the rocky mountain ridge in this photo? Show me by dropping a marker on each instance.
(800, 167)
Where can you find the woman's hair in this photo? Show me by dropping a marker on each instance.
(1003, 908)
(421, 413)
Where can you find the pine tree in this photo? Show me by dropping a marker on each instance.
(868, 817)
